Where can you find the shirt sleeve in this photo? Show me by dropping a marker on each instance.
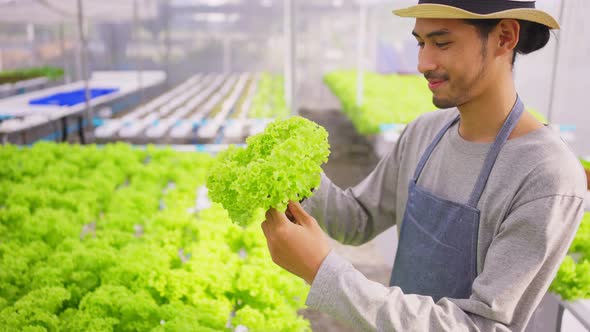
(358, 214)
(519, 266)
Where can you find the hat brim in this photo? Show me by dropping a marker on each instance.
(450, 12)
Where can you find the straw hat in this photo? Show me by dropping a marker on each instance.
(479, 9)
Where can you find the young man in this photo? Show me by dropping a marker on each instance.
(486, 199)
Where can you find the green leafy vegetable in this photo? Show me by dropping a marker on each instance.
(12, 76)
(278, 165)
(86, 245)
(387, 98)
(572, 281)
(269, 100)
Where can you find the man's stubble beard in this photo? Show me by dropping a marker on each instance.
(465, 97)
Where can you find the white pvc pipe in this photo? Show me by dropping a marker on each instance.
(210, 130)
(361, 41)
(236, 129)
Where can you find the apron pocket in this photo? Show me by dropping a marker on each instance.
(437, 259)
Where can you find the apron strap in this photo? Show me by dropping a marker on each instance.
(490, 160)
(431, 147)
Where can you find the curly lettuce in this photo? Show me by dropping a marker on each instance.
(572, 281)
(278, 165)
(107, 239)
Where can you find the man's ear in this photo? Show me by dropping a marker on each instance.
(507, 32)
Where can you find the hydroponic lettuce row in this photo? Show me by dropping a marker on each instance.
(12, 76)
(269, 99)
(573, 278)
(104, 239)
(281, 164)
(388, 99)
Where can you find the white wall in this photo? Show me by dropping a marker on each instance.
(534, 72)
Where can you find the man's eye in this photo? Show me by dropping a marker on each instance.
(442, 44)
(421, 44)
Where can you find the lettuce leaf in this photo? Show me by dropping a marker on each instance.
(281, 164)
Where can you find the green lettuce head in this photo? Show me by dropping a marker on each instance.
(281, 164)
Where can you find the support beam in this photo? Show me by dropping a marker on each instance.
(227, 63)
(167, 18)
(83, 62)
(137, 39)
(361, 46)
(290, 79)
(555, 65)
(64, 58)
(33, 61)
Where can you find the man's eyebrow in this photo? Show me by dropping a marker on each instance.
(435, 33)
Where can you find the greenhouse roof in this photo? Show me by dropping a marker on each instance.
(58, 11)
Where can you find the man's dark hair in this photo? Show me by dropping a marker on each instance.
(533, 36)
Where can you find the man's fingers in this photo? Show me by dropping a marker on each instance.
(275, 219)
(275, 214)
(272, 216)
(298, 212)
(290, 216)
(264, 227)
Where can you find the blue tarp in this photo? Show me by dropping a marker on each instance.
(70, 98)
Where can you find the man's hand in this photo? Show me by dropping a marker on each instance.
(299, 246)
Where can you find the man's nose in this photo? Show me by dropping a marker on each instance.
(426, 60)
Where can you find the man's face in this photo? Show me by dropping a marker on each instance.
(452, 59)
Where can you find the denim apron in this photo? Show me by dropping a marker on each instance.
(437, 251)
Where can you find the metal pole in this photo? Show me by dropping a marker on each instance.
(560, 311)
(64, 58)
(555, 64)
(84, 72)
(31, 39)
(78, 57)
(290, 79)
(362, 38)
(167, 43)
(226, 55)
(138, 49)
(372, 40)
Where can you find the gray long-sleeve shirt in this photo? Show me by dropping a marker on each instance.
(530, 210)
